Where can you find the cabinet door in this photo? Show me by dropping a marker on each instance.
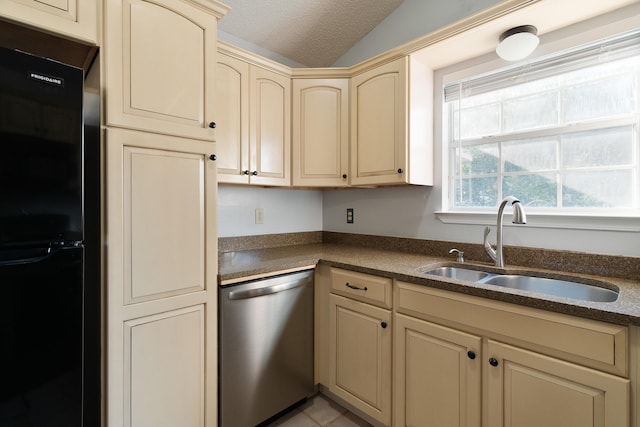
(437, 375)
(526, 389)
(232, 118)
(360, 356)
(77, 19)
(320, 132)
(270, 128)
(379, 125)
(161, 265)
(160, 64)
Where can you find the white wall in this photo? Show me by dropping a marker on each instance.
(408, 212)
(285, 211)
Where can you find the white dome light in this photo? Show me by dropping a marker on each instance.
(518, 43)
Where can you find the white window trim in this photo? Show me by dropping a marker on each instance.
(575, 35)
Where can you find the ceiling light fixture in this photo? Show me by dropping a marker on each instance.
(518, 43)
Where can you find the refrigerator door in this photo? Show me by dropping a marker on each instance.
(41, 128)
(41, 336)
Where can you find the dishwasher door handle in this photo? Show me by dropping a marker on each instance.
(267, 290)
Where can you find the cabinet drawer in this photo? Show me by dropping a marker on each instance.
(363, 287)
(599, 345)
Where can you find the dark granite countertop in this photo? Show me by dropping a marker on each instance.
(239, 264)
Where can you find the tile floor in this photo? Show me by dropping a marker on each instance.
(319, 412)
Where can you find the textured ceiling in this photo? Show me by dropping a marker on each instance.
(314, 33)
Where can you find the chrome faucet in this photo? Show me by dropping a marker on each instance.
(460, 255)
(519, 217)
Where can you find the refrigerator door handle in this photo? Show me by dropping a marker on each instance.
(31, 256)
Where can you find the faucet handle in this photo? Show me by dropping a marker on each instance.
(460, 257)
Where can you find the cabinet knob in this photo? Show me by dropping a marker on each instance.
(254, 173)
(212, 125)
(245, 172)
(383, 324)
(344, 176)
(471, 354)
(493, 361)
(213, 157)
(400, 170)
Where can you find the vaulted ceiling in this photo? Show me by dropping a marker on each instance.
(314, 33)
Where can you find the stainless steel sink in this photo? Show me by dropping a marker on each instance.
(555, 287)
(458, 273)
(560, 288)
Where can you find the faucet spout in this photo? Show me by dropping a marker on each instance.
(519, 217)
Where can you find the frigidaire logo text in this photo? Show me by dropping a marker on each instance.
(47, 79)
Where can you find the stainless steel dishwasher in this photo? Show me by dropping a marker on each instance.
(265, 347)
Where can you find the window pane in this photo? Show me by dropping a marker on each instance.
(599, 99)
(601, 147)
(531, 112)
(530, 154)
(541, 85)
(480, 121)
(601, 189)
(476, 160)
(539, 190)
(472, 192)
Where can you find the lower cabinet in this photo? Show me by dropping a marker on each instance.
(527, 389)
(437, 375)
(458, 360)
(360, 346)
(482, 362)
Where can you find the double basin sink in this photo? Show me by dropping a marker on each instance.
(555, 287)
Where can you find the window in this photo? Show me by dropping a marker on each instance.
(561, 133)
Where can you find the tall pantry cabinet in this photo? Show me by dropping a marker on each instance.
(160, 228)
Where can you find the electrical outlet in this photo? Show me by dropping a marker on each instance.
(349, 215)
(259, 216)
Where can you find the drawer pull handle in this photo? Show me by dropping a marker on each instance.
(357, 288)
(493, 361)
(471, 354)
(384, 325)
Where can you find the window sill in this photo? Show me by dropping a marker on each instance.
(566, 221)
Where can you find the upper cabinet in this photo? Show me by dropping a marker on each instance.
(76, 19)
(232, 115)
(320, 147)
(160, 60)
(365, 126)
(391, 124)
(253, 110)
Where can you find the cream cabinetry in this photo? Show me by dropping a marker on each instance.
(360, 342)
(159, 61)
(528, 389)
(391, 124)
(438, 375)
(232, 115)
(254, 124)
(161, 293)
(538, 368)
(320, 147)
(76, 19)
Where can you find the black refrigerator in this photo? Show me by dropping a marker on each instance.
(49, 244)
